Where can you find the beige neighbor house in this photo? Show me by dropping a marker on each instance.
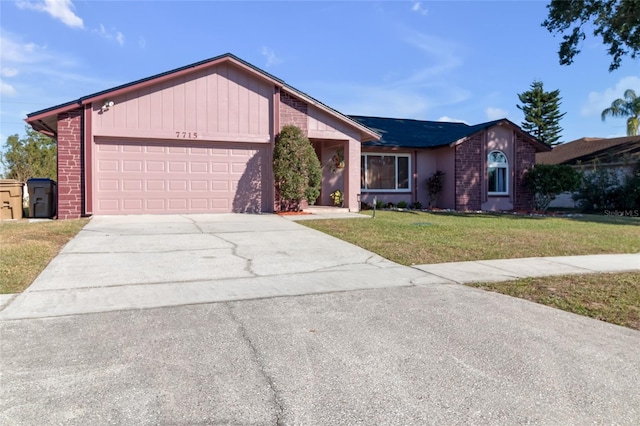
(200, 138)
(620, 155)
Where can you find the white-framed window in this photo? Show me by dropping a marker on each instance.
(385, 172)
(498, 171)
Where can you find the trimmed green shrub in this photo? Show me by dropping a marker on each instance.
(296, 169)
(603, 189)
(549, 180)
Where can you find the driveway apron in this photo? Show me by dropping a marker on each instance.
(132, 262)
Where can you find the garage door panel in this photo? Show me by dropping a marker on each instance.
(132, 185)
(158, 177)
(132, 204)
(199, 167)
(154, 166)
(108, 166)
(155, 205)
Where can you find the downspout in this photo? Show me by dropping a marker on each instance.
(415, 176)
(275, 132)
(86, 156)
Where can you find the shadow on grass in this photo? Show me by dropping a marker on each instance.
(610, 219)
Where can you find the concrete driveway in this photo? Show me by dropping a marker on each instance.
(358, 340)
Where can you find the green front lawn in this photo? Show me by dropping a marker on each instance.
(412, 237)
(26, 248)
(613, 298)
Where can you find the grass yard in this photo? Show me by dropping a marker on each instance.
(413, 238)
(613, 298)
(26, 248)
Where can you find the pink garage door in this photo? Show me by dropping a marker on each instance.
(166, 177)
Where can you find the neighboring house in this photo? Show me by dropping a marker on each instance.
(192, 140)
(199, 139)
(586, 154)
(483, 164)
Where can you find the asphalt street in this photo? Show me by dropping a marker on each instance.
(411, 349)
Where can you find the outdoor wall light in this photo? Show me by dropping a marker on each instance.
(106, 106)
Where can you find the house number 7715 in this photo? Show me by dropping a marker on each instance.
(187, 135)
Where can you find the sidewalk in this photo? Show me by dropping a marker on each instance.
(511, 269)
(488, 271)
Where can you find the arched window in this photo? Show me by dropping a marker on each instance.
(498, 168)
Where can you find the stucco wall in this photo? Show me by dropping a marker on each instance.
(500, 139)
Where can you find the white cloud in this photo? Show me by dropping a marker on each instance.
(494, 113)
(598, 101)
(6, 89)
(13, 51)
(272, 59)
(439, 53)
(377, 101)
(58, 9)
(419, 8)
(452, 120)
(142, 43)
(110, 35)
(413, 94)
(8, 72)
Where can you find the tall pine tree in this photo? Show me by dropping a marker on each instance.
(541, 113)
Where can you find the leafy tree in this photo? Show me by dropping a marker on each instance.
(541, 113)
(616, 21)
(33, 155)
(628, 106)
(549, 180)
(296, 168)
(605, 188)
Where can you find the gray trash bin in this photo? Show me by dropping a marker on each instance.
(42, 197)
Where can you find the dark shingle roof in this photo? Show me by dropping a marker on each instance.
(589, 149)
(406, 133)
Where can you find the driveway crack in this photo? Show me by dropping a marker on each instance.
(275, 394)
(234, 250)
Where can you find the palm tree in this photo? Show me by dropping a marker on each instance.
(628, 106)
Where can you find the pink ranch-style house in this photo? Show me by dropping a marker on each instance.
(484, 164)
(199, 139)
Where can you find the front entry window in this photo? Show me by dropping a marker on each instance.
(498, 168)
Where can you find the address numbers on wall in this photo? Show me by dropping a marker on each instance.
(187, 135)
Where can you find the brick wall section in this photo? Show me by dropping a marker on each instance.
(469, 173)
(293, 112)
(70, 168)
(525, 154)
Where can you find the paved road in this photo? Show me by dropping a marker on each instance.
(381, 344)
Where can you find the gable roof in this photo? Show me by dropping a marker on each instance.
(584, 150)
(408, 133)
(45, 119)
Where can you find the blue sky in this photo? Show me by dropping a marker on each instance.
(450, 60)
